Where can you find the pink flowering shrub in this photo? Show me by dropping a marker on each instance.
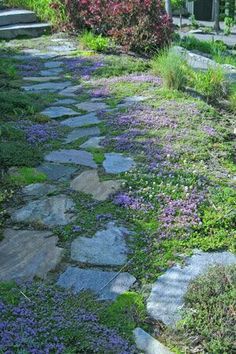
(140, 25)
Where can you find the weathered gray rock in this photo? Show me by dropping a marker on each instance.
(93, 142)
(78, 157)
(90, 106)
(107, 285)
(53, 64)
(71, 91)
(67, 101)
(47, 86)
(107, 247)
(88, 182)
(136, 99)
(81, 121)
(117, 163)
(51, 72)
(38, 189)
(147, 344)
(82, 132)
(57, 172)
(28, 253)
(58, 112)
(41, 79)
(69, 47)
(50, 212)
(167, 295)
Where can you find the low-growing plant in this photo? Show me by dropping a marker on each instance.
(95, 42)
(209, 47)
(27, 175)
(229, 23)
(232, 100)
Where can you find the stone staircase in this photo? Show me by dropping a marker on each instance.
(17, 22)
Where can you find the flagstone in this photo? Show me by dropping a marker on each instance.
(80, 121)
(38, 189)
(117, 163)
(57, 172)
(53, 64)
(78, 157)
(79, 133)
(58, 112)
(66, 101)
(51, 72)
(93, 142)
(92, 106)
(71, 91)
(41, 79)
(47, 86)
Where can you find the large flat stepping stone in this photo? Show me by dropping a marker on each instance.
(41, 79)
(71, 91)
(38, 189)
(50, 212)
(67, 101)
(91, 106)
(28, 253)
(78, 157)
(47, 86)
(53, 64)
(56, 172)
(81, 121)
(107, 285)
(93, 142)
(58, 112)
(51, 72)
(117, 163)
(80, 133)
(167, 296)
(107, 247)
(147, 344)
(88, 182)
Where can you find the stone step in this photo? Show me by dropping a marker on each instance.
(14, 16)
(23, 29)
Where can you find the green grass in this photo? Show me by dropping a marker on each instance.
(27, 175)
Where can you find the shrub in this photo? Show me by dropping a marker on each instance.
(138, 25)
(210, 311)
(172, 68)
(209, 47)
(95, 42)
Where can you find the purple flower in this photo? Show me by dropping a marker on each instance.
(76, 228)
(130, 202)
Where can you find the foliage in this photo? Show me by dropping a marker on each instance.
(209, 47)
(232, 100)
(210, 310)
(138, 25)
(27, 175)
(94, 42)
(172, 68)
(229, 23)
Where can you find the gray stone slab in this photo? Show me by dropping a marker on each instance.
(51, 72)
(28, 253)
(93, 142)
(67, 101)
(117, 163)
(107, 247)
(23, 29)
(147, 344)
(91, 106)
(47, 86)
(53, 64)
(167, 296)
(78, 157)
(38, 189)
(69, 47)
(88, 182)
(81, 121)
(71, 91)
(12, 16)
(41, 79)
(58, 112)
(136, 99)
(57, 172)
(82, 132)
(107, 285)
(50, 212)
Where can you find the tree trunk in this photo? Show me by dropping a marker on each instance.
(168, 8)
(217, 16)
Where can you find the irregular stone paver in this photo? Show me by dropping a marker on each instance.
(52, 211)
(53, 64)
(58, 112)
(68, 101)
(105, 284)
(147, 344)
(93, 142)
(92, 106)
(51, 72)
(28, 253)
(88, 182)
(47, 86)
(167, 295)
(80, 121)
(78, 157)
(79, 133)
(57, 172)
(107, 247)
(41, 79)
(117, 163)
(62, 48)
(71, 91)
(136, 99)
(38, 189)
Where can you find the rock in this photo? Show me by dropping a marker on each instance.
(93, 142)
(41, 79)
(69, 47)
(57, 172)
(51, 72)
(71, 91)
(167, 295)
(53, 64)
(107, 285)
(80, 133)
(107, 247)
(88, 182)
(78, 157)
(28, 253)
(38, 189)
(67, 101)
(58, 112)
(117, 163)
(80, 121)
(136, 99)
(147, 344)
(47, 86)
(50, 212)
(92, 106)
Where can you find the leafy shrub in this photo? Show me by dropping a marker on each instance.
(138, 25)
(210, 311)
(232, 100)
(172, 68)
(209, 47)
(95, 42)
(229, 23)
